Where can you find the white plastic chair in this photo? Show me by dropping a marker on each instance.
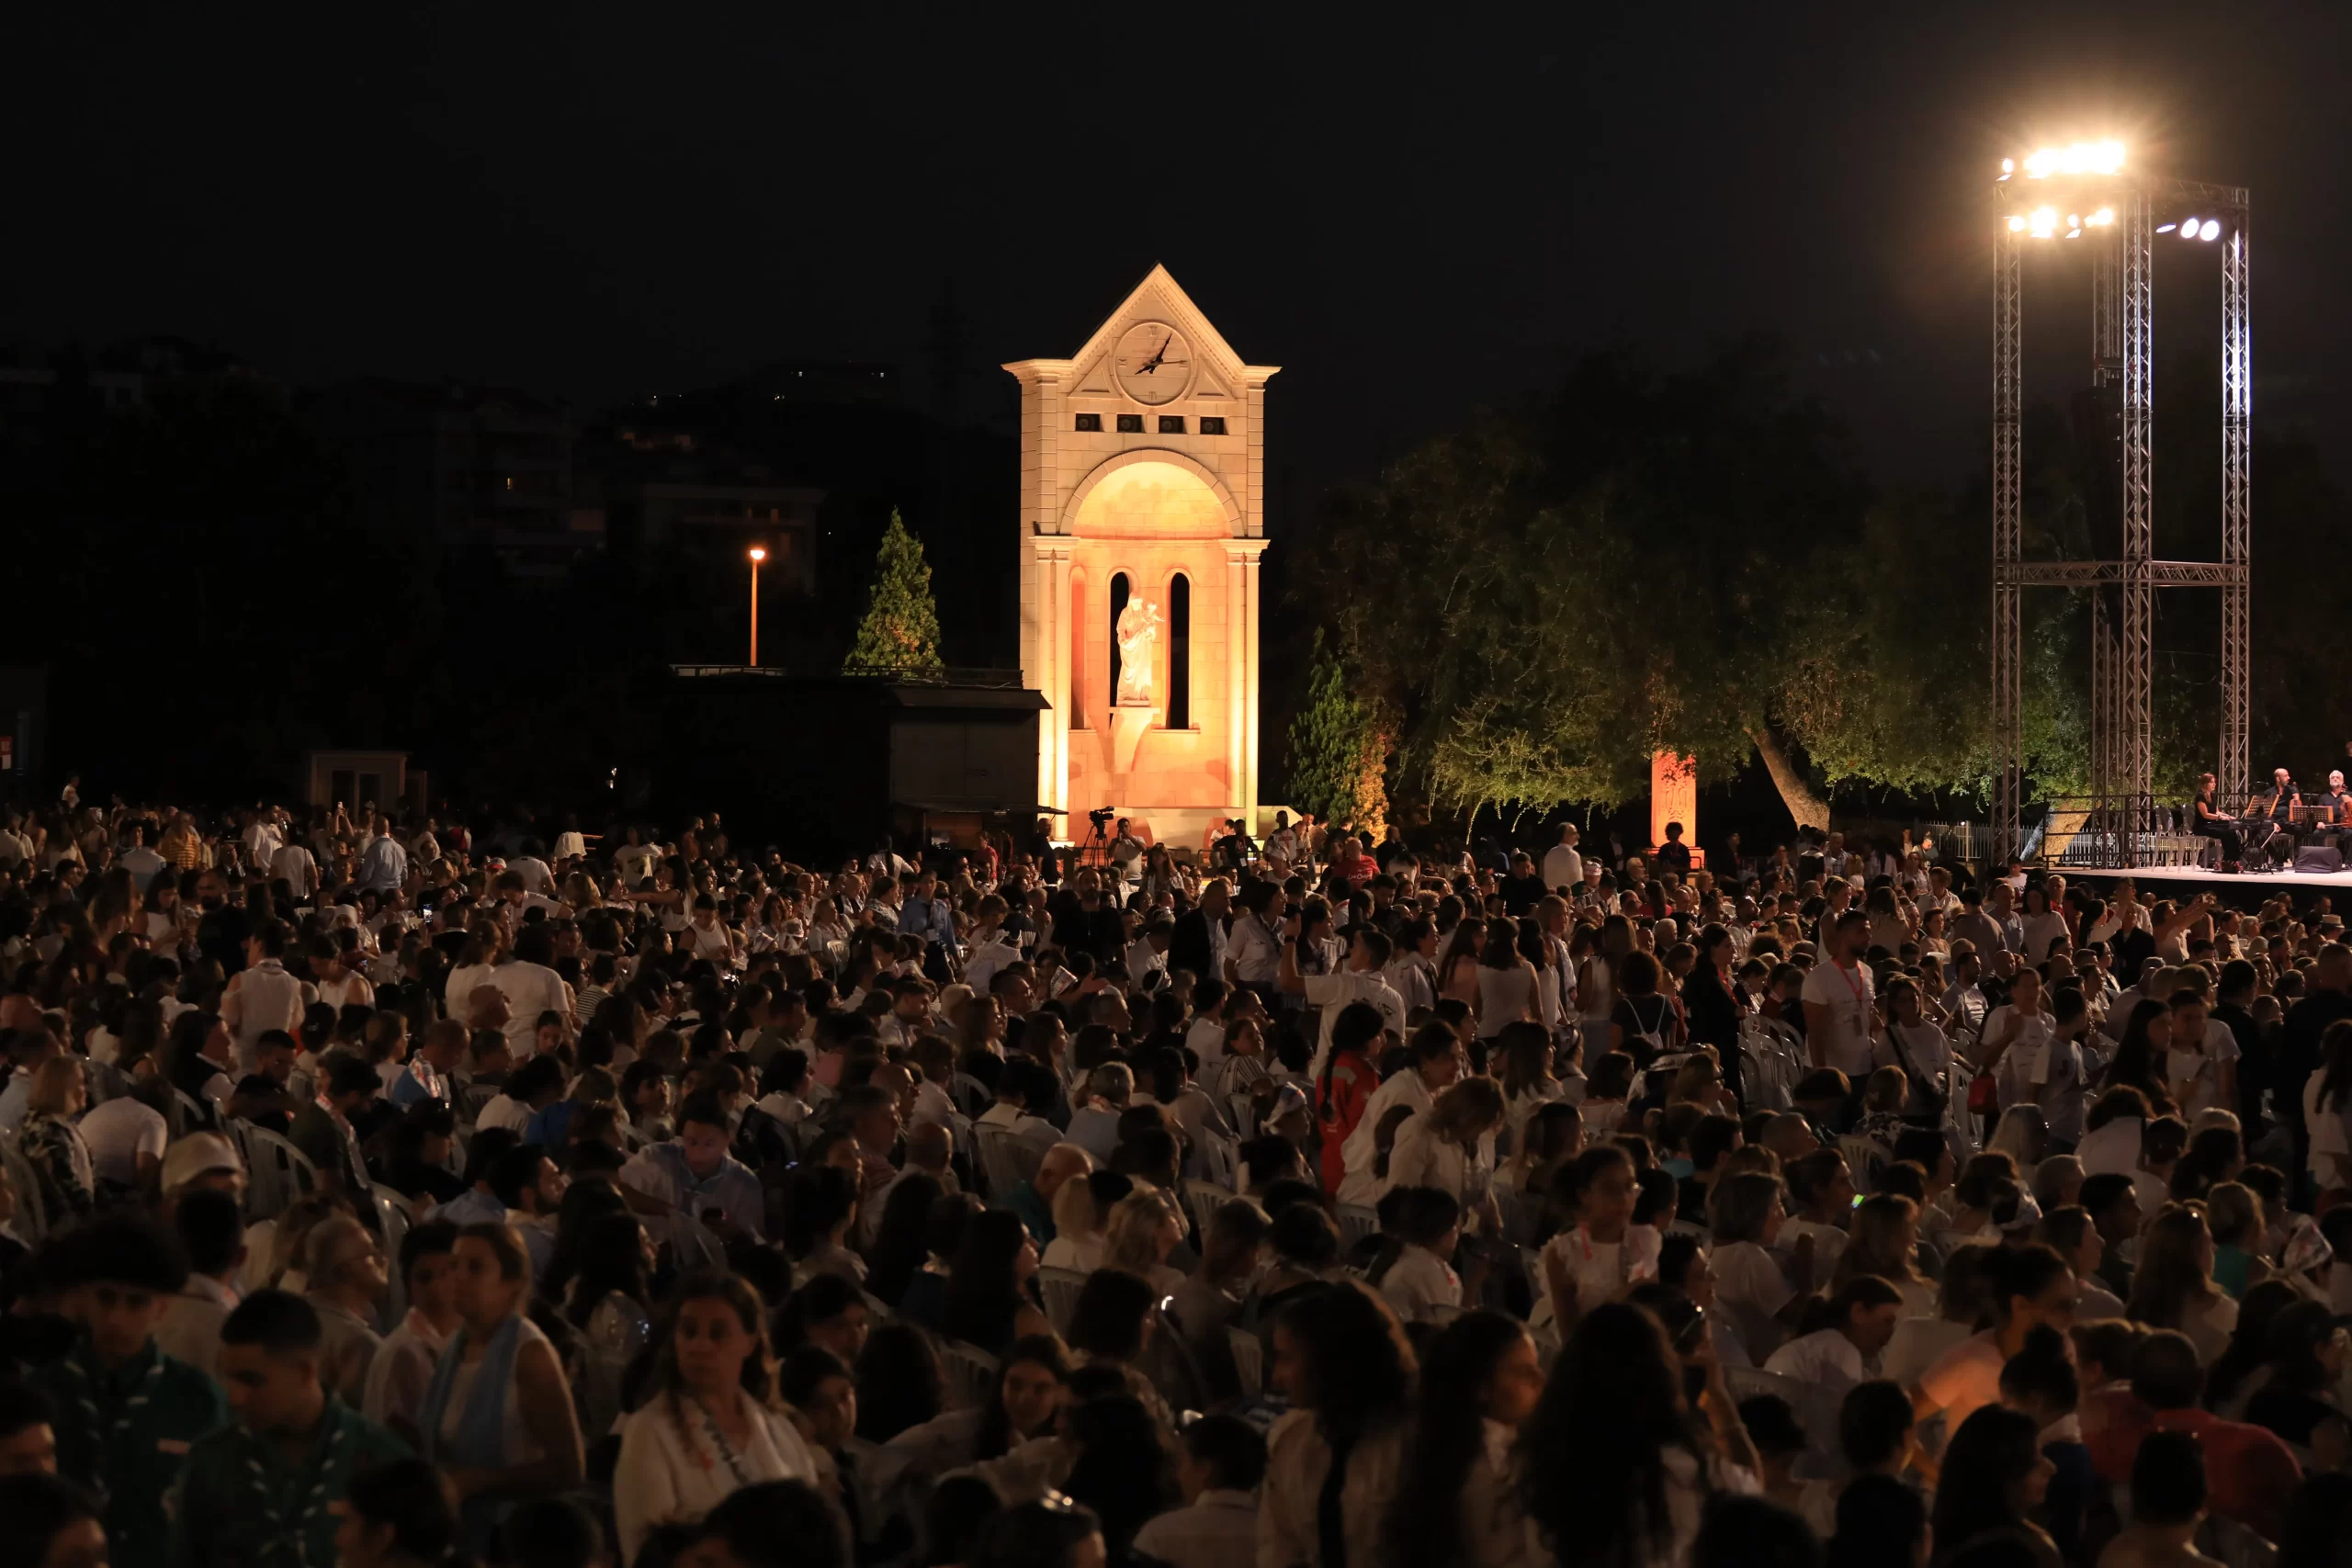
(394, 1216)
(32, 1215)
(998, 1163)
(1219, 1159)
(1248, 1360)
(1355, 1224)
(1060, 1288)
(1204, 1199)
(280, 1173)
(969, 1373)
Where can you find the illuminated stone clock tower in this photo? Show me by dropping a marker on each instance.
(1142, 520)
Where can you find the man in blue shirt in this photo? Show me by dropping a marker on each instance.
(384, 866)
(923, 913)
(693, 1172)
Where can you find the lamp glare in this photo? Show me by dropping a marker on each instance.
(2188, 228)
(2210, 229)
(2080, 158)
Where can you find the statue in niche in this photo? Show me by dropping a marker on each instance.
(1139, 629)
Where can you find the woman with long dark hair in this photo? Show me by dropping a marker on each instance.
(1122, 1469)
(899, 1249)
(990, 1299)
(1628, 1489)
(1031, 1387)
(819, 1217)
(1333, 1463)
(2307, 1350)
(2172, 1283)
(2327, 1110)
(1993, 1475)
(1479, 1381)
(1712, 1005)
(898, 1381)
(1507, 982)
(2146, 1034)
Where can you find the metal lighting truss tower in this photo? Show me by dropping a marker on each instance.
(2082, 194)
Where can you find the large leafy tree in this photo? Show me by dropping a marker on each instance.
(901, 626)
(1338, 747)
(1688, 563)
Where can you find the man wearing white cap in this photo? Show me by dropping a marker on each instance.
(209, 1161)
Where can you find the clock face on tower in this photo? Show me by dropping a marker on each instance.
(1153, 363)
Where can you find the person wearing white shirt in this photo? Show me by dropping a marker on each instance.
(1436, 1063)
(1861, 1316)
(291, 863)
(1021, 1086)
(2203, 1077)
(1411, 970)
(531, 988)
(1222, 1462)
(1253, 949)
(1920, 1049)
(126, 1137)
(138, 860)
(263, 995)
(703, 1435)
(261, 842)
(1837, 1012)
(1359, 982)
(1204, 1038)
(212, 1231)
(2017, 1036)
(990, 949)
(1418, 1281)
(1562, 866)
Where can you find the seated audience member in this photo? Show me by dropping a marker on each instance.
(2250, 1474)
(278, 1474)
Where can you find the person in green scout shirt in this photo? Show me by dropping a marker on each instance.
(270, 1489)
(126, 1414)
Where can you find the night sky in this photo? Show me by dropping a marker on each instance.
(1411, 216)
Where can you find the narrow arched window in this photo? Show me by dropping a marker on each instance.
(1180, 652)
(1077, 659)
(1111, 630)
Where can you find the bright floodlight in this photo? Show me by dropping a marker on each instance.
(2209, 229)
(2188, 228)
(2103, 216)
(758, 554)
(2016, 225)
(2081, 158)
(2044, 221)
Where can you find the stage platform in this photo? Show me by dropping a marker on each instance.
(2242, 890)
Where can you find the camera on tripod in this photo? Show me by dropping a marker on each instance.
(1101, 816)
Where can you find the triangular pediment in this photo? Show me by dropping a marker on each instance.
(1220, 372)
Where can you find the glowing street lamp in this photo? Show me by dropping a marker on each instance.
(758, 554)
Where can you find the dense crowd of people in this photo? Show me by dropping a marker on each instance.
(432, 1191)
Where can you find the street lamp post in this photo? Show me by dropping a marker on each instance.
(758, 555)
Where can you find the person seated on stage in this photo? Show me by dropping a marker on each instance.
(2207, 822)
(2273, 809)
(2332, 812)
